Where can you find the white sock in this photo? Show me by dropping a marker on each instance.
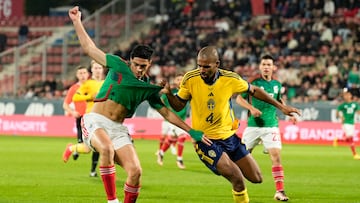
(113, 201)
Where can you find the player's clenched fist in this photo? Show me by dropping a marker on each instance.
(75, 13)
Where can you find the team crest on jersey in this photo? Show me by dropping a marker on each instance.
(276, 89)
(212, 153)
(211, 104)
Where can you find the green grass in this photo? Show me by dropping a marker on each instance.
(31, 170)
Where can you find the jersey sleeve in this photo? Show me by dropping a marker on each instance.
(69, 96)
(155, 101)
(339, 108)
(184, 92)
(241, 86)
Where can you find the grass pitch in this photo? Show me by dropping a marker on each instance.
(32, 171)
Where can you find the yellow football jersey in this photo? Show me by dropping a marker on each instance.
(211, 109)
(87, 91)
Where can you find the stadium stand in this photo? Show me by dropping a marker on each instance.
(314, 48)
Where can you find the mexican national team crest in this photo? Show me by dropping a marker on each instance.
(211, 104)
(276, 89)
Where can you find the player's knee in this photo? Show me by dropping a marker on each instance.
(258, 178)
(135, 172)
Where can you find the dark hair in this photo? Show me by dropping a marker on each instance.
(142, 51)
(267, 56)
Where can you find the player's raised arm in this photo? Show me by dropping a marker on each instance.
(86, 42)
(262, 95)
(174, 119)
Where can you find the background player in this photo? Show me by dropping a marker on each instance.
(346, 113)
(76, 109)
(87, 92)
(172, 134)
(264, 126)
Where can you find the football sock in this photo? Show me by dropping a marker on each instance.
(94, 161)
(131, 193)
(162, 140)
(108, 177)
(165, 145)
(352, 147)
(240, 197)
(113, 201)
(180, 147)
(278, 175)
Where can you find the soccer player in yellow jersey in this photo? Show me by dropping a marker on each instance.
(87, 92)
(209, 90)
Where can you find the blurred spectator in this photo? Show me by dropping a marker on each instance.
(3, 41)
(29, 94)
(314, 92)
(329, 7)
(23, 33)
(326, 34)
(334, 90)
(353, 80)
(267, 7)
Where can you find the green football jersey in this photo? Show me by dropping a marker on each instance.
(269, 113)
(348, 110)
(182, 113)
(124, 88)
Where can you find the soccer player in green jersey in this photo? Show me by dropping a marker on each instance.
(171, 133)
(346, 112)
(124, 88)
(263, 125)
(209, 90)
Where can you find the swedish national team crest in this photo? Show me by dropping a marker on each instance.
(211, 104)
(212, 153)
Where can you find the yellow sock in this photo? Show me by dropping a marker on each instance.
(241, 197)
(80, 148)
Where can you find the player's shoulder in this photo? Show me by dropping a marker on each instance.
(254, 78)
(229, 74)
(191, 74)
(74, 86)
(112, 57)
